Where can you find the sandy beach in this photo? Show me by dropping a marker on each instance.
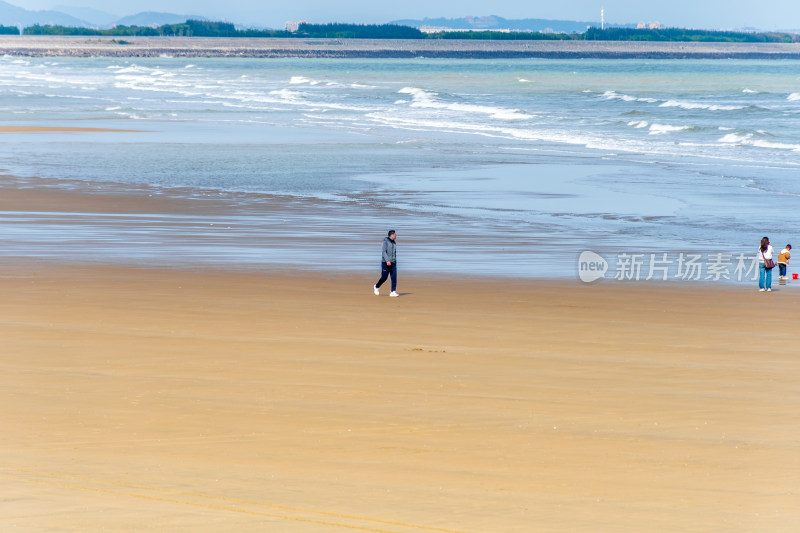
(206, 401)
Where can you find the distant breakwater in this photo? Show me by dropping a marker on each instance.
(35, 46)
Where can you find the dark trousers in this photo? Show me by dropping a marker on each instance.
(387, 271)
(782, 269)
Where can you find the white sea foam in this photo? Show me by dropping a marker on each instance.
(749, 139)
(300, 80)
(696, 105)
(613, 95)
(30, 76)
(639, 123)
(130, 115)
(134, 68)
(253, 99)
(429, 99)
(735, 138)
(794, 97)
(286, 94)
(660, 129)
(749, 91)
(517, 133)
(523, 80)
(73, 96)
(145, 83)
(419, 95)
(780, 146)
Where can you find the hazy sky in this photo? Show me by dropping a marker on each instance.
(764, 14)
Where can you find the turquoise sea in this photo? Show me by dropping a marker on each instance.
(484, 167)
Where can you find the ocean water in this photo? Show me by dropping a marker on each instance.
(497, 167)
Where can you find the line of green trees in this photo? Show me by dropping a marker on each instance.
(202, 28)
(359, 31)
(128, 31)
(684, 35)
(190, 28)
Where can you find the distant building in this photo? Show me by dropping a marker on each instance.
(294, 25)
(648, 26)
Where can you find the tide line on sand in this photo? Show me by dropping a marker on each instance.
(57, 129)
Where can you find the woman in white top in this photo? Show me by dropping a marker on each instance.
(764, 273)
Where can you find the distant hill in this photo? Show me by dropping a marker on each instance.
(11, 15)
(493, 22)
(152, 18)
(95, 17)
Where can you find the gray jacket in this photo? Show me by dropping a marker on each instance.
(389, 251)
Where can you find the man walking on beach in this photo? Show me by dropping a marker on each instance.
(388, 264)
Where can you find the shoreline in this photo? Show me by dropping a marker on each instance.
(49, 221)
(98, 46)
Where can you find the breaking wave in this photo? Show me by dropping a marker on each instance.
(695, 105)
(430, 100)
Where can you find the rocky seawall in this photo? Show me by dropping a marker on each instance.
(36, 46)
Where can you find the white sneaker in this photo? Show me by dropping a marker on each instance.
(394, 294)
(760, 290)
(769, 290)
(376, 290)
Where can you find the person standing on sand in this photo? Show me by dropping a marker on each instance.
(388, 264)
(783, 261)
(764, 273)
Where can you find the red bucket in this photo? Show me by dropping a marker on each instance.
(794, 276)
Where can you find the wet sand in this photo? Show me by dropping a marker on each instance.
(55, 129)
(175, 400)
